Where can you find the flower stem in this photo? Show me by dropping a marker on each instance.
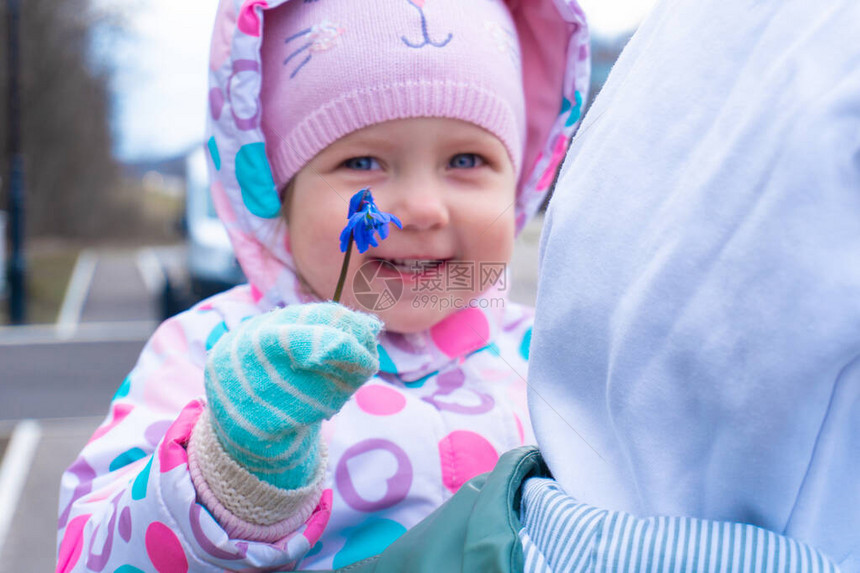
(343, 268)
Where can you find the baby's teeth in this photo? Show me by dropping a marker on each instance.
(411, 265)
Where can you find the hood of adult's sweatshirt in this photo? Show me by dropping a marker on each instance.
(696, 343)
(555, 57)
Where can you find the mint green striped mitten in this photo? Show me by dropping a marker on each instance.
(272, 381)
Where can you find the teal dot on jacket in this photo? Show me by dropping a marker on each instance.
(123, 389)
(256, 182)
(367, 540)
(213, 151)
(138, 488)
(128, 569)
(576, 113)
(525, 345)
(386, 364)
(315, 549)
(216, 335)
(126, 458)
(493, 348)
(420, 382)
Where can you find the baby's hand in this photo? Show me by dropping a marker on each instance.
(272, 381)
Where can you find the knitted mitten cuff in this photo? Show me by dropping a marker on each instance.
(245, 506)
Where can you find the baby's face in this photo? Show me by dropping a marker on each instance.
(451, 183)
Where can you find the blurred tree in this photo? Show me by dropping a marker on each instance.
(71, 178)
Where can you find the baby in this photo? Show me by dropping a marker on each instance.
(325, 432)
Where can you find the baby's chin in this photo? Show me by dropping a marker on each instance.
(408, 324)
(402, 317)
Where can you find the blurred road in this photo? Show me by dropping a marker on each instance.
(57, 381)
(71, 369)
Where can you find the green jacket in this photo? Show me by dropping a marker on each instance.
(476, 530)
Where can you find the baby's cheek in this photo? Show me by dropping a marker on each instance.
(317, 267)
(497, 239)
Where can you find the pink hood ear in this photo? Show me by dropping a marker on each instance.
(554, 44)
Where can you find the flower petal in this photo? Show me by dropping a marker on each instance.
(383, 231)
(355, 202)
(344, 238)
(362, 238)
(365, 221)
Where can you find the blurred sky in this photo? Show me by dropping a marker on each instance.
(161, 75)
(160, 83)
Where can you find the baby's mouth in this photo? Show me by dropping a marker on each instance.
(413, 266)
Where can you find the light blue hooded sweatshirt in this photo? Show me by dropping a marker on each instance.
(696, 349)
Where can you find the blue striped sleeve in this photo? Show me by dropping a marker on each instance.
(560, 534)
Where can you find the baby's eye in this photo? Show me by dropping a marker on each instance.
(466, 161)
(361, 163)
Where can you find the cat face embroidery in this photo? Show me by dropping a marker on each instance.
(317, 38)
(419, 5)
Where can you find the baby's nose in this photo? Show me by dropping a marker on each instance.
(421, 208)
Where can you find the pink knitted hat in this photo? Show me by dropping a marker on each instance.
(331, 67)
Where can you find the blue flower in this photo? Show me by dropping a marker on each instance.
(365, 220)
